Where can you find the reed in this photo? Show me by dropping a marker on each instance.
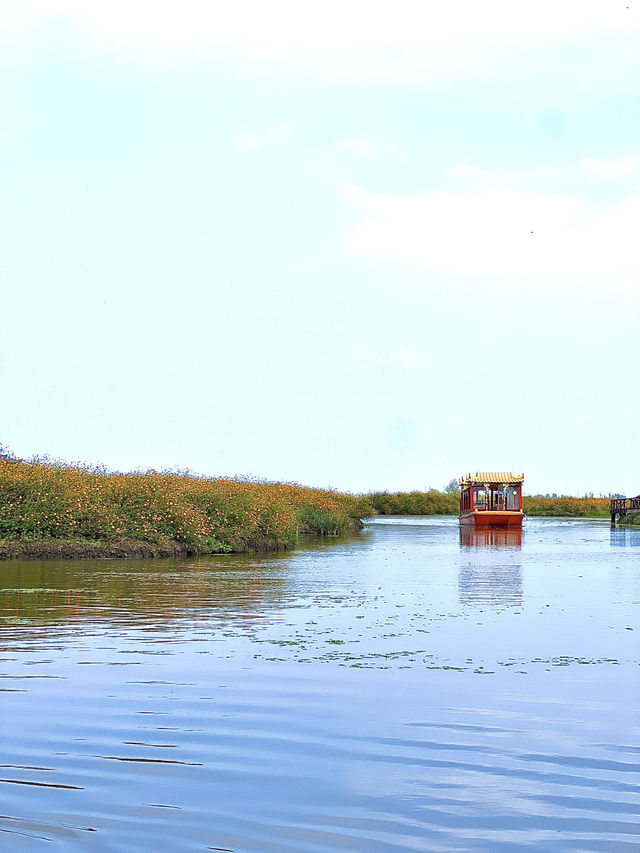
(431, 502)
(43, 501)
(434, 502)
(566, 506)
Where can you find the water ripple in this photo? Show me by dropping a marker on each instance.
(328, 699)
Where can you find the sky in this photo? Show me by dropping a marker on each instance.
(365, 245)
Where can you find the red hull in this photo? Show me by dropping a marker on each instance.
(492, 518)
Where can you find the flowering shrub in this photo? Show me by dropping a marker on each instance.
(51, 500)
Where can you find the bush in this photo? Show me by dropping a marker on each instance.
(432, 502)
(567, 506)
(42, 500)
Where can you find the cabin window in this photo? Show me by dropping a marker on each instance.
(513, 498)
(480, 498)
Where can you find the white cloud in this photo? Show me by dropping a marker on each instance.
(412, 359)
(251, 140)
(500, 233)
(588, 166)
(405, 357)
(611, 168)
(335, 38)
(354, 158)
(465, 172)
(370, 147)
(363, 356)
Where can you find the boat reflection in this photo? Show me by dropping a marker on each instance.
(490, 571)
(497, 537)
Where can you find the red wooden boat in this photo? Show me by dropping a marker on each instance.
(491, 499)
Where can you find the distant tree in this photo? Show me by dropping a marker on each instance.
(6, 454)
(452, 488)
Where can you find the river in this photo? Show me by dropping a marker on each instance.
(407, 688)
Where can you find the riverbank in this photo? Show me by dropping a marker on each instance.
(58, 511)
(632, 519)
(434, 502)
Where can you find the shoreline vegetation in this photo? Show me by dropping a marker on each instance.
(53, 510)
(434, 502)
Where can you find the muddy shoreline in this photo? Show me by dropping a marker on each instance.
(72, 549)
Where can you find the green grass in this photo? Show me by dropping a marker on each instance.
(432, 502)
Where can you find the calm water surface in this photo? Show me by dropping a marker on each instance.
(403, 689)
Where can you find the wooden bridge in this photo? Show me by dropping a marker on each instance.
(621, 506)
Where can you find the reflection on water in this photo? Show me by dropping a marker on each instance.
(407, 689)
(498, 537)
(500, 585)
(490, 569)
(625, 537)
(138, 591)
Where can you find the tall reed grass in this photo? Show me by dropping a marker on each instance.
(41, 500)
(434, 502)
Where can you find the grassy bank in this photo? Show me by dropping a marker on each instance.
(434, 502)
(56, 510)
(567, 506)
(632, 519)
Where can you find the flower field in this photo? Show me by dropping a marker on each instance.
(53, 502)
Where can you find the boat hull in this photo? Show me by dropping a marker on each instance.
(492, 518)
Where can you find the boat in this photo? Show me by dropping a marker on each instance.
(491, 499)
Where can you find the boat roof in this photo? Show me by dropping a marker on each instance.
(481, 477)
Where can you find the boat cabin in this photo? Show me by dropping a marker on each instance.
(491, 498)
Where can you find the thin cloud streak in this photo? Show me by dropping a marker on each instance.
(252, 140)
(337, 39)
(501, 233)
(588, 167)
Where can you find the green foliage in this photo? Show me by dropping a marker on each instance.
(44, 501)
(566, 506)
(311, 519)
(631, 519)
(432, 502)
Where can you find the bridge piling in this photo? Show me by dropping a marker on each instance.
(620, 507)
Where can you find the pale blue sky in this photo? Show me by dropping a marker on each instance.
(350, 244)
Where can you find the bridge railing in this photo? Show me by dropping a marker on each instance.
(622, 504)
